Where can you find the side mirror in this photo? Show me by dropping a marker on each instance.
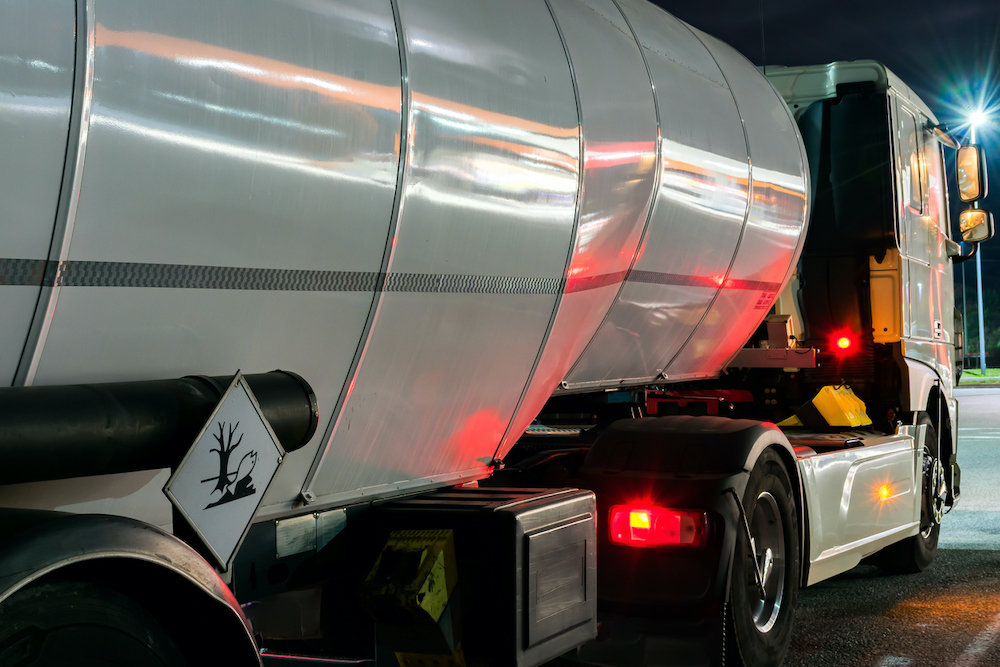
(971, 167)
(976, 225)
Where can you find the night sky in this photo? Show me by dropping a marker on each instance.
(947, 51)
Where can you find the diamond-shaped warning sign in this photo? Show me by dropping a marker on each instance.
(221, 481)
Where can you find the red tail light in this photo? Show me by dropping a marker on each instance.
(843, 343)
(650, 526)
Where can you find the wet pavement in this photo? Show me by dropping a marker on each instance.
(948, 615)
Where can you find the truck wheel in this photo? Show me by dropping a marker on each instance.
(759, 627)
(915, 554)
(81, 623)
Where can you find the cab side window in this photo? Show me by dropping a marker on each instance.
(912, 156)
(919, 223)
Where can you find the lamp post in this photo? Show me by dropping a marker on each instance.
(965, 316)
(977, 118)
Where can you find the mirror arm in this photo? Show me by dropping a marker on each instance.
(944, 135)
(958, 259)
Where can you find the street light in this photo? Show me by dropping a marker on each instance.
(976, 118)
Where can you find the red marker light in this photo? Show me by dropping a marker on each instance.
(650, 526)
(843, 342)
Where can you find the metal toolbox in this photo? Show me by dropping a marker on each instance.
(527, 562)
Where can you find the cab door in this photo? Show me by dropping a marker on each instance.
(37, 59)
(942, 285)
(928, 292)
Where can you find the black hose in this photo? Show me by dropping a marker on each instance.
(58, 432)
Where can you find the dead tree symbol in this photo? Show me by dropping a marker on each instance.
(232, 485)
(226, 447)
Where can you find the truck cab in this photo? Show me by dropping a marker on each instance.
(874, 289)
(869, 313)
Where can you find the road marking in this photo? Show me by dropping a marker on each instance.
(894, 661)
(976, 650)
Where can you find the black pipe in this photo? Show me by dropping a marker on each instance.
(59, 432)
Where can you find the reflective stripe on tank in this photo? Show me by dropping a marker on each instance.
(75, 273)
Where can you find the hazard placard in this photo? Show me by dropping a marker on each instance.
(221, 481)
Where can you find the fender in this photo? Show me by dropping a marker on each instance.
(918, 381)
(146, 563)
(684, 462)
(921, 392)
(949, 454)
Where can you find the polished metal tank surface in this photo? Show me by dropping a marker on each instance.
(773, 233)
(37, 61)
(486, 219)
(439, 213)
(236, 197)
(620, 129)
(690, 300)
(697, 216)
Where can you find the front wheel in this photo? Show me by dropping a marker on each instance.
(759, 618)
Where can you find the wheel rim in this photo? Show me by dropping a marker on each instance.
(934, 492)
(769, 551)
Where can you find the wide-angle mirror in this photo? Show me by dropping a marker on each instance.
(976, 225)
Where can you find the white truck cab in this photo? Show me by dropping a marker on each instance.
(863, 126)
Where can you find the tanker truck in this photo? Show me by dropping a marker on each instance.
(500, 253)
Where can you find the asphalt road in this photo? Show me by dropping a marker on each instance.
(948, 616)
(975, 521)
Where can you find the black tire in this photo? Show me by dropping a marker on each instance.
(63, 623)
(915, 554)
(759, 628)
